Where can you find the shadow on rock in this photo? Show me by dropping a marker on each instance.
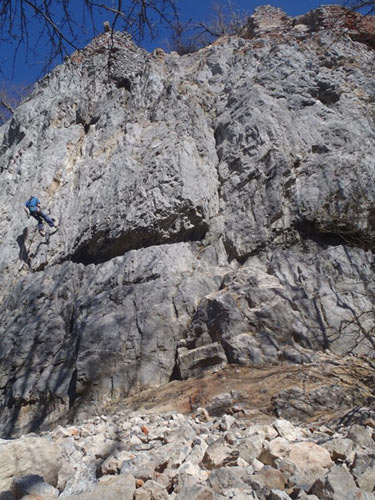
(21, 240)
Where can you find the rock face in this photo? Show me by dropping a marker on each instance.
(214, 208)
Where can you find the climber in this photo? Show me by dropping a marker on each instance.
(32, 207)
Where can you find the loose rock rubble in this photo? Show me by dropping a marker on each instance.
(196, 457)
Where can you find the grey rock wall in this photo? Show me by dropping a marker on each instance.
(221, 198)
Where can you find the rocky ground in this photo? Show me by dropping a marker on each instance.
(241, 433)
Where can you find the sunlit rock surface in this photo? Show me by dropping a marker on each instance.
(221, 198)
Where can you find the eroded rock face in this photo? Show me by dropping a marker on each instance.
(224, 198)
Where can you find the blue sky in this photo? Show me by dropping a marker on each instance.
(202, 8)
(190, 9)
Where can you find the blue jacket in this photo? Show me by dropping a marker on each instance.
(32, 203)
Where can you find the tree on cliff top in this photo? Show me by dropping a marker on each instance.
(226, 19)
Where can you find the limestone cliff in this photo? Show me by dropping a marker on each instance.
(214, 208)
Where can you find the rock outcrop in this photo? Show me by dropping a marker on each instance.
(214, 208)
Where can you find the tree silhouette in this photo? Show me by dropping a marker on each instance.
(10, 96)
(366, 8)
(61, 26)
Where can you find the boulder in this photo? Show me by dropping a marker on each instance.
(337, 484)
(229, 477)
(151, 490)
(288, 431)
(32, 485)
(220, 404)
(310, 460)
(272, 478)
(366, 482)
(219, 454)
(196, 492)
(185, 432)
(199, 448)
(339, 448)
(278, 495)
(363, 471)
(194, 362)
(362, 436)
(188, 475)
(112, 464)
(120, 487)
(250, 448)
(29, 456)
(265, 431)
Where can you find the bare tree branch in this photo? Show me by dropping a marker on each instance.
(226, 19)
(6, 105)
(51, 23)
(10, 97)
(34, 25)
